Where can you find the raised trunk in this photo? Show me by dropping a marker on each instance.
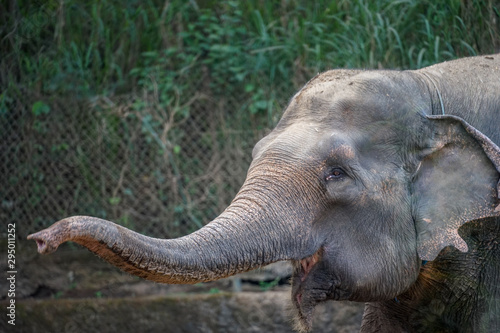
(250, 233)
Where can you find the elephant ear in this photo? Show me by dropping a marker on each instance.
(457, 181)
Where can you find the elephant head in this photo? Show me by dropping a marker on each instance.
(356, 185)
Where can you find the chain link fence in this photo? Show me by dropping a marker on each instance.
(161, 172)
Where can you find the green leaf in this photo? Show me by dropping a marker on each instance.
(40, 108)
(60, 147)
(249, 88)
(150, 54)
(261, 105)
(214, 291)
(114, 200)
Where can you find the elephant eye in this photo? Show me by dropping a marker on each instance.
(335, 174)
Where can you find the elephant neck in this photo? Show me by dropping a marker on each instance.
(456, 292)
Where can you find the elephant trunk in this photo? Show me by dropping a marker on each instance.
(250, 233)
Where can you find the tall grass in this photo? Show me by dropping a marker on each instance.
(99, 47)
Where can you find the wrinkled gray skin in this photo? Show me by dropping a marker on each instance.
(361, 180)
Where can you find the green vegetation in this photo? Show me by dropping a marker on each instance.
(92, 48)
(265, 286)
(92, 90)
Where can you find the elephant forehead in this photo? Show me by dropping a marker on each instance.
(362, 100)
(315, 144)
(342, 149)
(322, 102)
(337, 145)
(298, 136)
(327, 83)
(294, 141)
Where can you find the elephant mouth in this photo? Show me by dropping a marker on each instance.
(314, 283)
(302, 301)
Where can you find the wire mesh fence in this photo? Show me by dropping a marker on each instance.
(161, 172)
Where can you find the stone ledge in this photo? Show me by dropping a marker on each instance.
(221, 312)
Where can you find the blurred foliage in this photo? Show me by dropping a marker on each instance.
(146, 70)
(89, 48)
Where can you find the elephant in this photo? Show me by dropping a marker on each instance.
(379, 186)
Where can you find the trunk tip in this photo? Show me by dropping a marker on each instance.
(45, 244)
